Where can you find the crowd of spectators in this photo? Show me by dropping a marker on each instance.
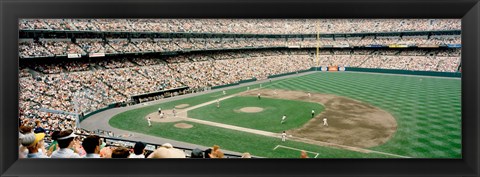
(246, 26)
(115, 63)
(417, 60)
(38, 140)
(147, 45)
(92, 46)
(24, 72)
(47, 48)
(123, 46)
(73, 87)
(441, 40)
(146, 61)
(29, 49)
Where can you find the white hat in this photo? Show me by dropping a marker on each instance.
(72, 135)
(28, 139)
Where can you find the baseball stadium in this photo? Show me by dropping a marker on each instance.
(240, 88)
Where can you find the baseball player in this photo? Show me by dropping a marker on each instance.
(174, 112)
(309, 95)
(218, 104)
(248, 88)
(283, 119)
(313, 113)
(161, 115)
(224, 92)
(275, 92)
(159, 110)
(325, 122)
(258, 95)
(284, 136)
(149, 123)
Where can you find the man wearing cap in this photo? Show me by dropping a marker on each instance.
(66, 143)
(34, 143)
(92, 144)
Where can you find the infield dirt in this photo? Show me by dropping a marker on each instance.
(351, 122)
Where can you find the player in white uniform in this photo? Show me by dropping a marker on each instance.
(218, 104)
(248, 88)
(161, 115)
(258, 95)
(325, 122)
(284, 136)
(275, 92)
(224, 92)
(313, 113)
(309, 95)
(159, 110)
(149, 123)
(283, 119)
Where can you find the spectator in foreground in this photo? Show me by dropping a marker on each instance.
(167, 151)
(196, 154)
(217, 154)
(91, 144)
(66, 143)
(54, 145)
(138, 150)
(207, 153)
(38, 127)
(106, 152)
(303, 154)
(22, 143)
(120, 152)
(35, 144)
(246, 155)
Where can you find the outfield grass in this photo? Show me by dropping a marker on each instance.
(427, 110)
(298, 113)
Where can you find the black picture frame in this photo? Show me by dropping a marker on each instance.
(11, 11)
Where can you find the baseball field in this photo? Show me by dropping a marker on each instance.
(369, 116)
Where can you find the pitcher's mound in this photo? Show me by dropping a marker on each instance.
(183, 125)
(251, 109)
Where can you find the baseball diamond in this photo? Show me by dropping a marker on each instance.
(370, 115)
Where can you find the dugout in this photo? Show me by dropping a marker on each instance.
(159, 94)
